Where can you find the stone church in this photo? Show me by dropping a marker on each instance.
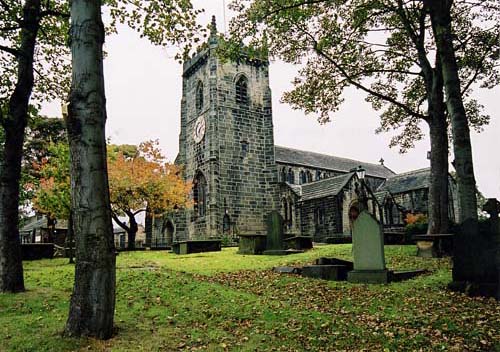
(226, 147)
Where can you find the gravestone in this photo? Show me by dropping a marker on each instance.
(274, 241)
(476, 259)
(368, 251)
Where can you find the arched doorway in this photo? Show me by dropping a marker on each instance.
(226, 225)
(169, 233)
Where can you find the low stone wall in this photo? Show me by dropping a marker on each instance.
(34, 251)
(196, 246)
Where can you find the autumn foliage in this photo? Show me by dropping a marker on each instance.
(140, 177)
(415, 219)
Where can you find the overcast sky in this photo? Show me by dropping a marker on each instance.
(143, 91)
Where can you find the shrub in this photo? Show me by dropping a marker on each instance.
(416, 224)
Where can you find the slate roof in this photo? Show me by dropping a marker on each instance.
(407, 181)
(326, 187)
(327, 162)
(380, 196)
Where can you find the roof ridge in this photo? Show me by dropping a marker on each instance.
(332, 156)
(327, 179)
(412, 172)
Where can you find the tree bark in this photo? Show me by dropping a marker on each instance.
(92, 304)
(14, 124)
(440, 13)
(438, 131)
(438, 188)
(70, 238)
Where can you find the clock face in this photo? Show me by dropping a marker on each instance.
(199, 129)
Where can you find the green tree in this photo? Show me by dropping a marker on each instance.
(91, 311)
(383, 48)
(22, 26)
(44, 26)
(41, 134)
(444, 25)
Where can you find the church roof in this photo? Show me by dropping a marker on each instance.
(326, 187)
(327, 162)
(407, 181)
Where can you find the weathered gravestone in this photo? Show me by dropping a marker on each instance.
(270, 244)
(476, 259)
(368, 251)
(274, 241)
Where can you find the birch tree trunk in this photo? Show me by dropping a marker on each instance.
(441, 25)
(14, 124)
(93, 300)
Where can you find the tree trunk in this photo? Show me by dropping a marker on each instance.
(438, 188)
(92, 304)
(148, 226)
(441, 25)
(438, 131)
(132, 231)
(11, 268)
(70, 238)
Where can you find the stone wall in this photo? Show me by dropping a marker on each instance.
(320, 218)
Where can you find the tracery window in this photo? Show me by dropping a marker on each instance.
(199, 96)
(242, 91)
(200, 195)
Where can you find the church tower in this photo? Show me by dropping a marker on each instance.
(226, 145)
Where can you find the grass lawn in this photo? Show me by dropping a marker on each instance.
(224, 301)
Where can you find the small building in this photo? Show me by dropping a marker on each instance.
(39, 230)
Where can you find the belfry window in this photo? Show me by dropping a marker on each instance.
(199, 96)
(242, 91)
(200, 195)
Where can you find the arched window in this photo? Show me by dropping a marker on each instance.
(283, 175)
(200, 195)
(302, 177)
(226, 224)
(318, 175)
(285, 210)
(199, 96)
(309, 176)
(242, 91)
(291, 177)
